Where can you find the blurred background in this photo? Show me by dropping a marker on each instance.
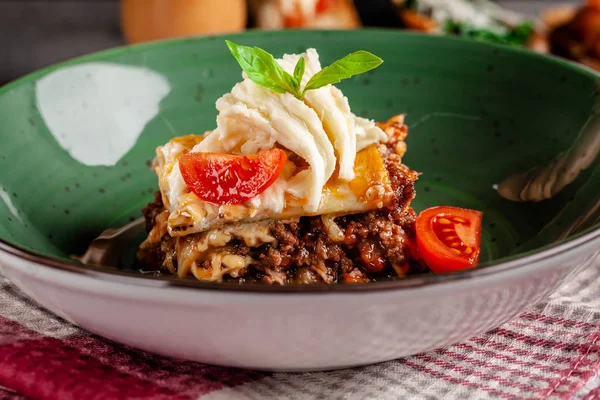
(34, 34)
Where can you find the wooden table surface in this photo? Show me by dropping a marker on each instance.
(34, 34)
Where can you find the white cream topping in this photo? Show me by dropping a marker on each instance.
(333, 110)
(321, 130)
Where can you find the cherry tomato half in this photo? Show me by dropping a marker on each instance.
(449, 238)
(227, 179)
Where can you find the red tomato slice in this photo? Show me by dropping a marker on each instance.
(226, 179)
(449, 238)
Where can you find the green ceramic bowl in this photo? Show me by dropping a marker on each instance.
(77, 138)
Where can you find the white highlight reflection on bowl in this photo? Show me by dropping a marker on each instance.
(8, 202)
(97, 111)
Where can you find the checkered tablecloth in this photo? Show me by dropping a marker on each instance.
(551, 351)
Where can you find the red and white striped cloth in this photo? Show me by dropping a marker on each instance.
(550, 352)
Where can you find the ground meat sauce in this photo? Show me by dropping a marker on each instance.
(372, 245)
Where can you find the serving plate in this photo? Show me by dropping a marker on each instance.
(78, 139)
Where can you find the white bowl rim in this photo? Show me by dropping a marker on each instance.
(164, 280)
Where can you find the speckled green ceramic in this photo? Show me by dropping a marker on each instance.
(77, 138)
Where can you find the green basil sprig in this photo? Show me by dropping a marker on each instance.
(262, 68)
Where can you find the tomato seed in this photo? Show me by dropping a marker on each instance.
(444, 221)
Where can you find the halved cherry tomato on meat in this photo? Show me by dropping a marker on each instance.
(449, 238)
(227, 179)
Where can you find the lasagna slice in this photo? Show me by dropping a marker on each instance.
(337, 208)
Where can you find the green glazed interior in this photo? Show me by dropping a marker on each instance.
(476, 113)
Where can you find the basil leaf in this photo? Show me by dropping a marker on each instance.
(262, 68)
(353, 64)
(291, 82)
(299, 71)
